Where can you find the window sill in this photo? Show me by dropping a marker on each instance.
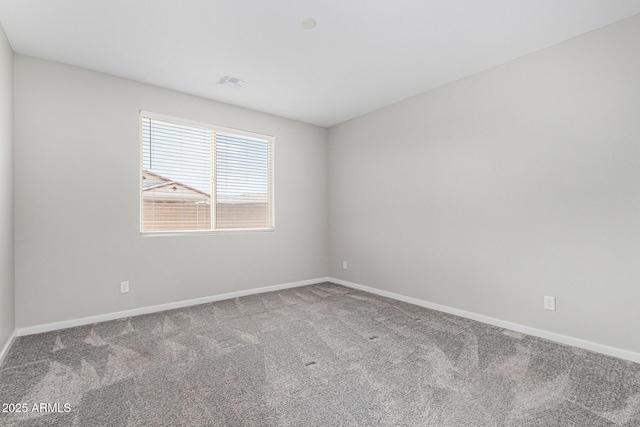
(206, 232)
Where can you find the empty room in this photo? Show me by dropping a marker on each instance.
(320, 213)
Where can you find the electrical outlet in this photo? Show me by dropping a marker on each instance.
(124, 287)
(344, 265)
(549, 303)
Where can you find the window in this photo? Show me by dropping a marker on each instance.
(197, 177)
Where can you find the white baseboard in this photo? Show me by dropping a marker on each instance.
(30, 330)
(7, 346)
(551, 336)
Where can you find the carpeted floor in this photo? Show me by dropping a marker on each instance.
(319, 355)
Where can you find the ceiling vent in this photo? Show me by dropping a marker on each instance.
(232, 82)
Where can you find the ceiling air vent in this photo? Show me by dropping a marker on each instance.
(232, 82)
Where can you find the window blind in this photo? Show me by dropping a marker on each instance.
(199, 177)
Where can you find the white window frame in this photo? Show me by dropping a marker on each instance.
(216, 128)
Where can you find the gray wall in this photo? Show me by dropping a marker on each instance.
(7, 313)
(493, 191)
(77, 207)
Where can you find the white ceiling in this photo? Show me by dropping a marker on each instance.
(363, 54)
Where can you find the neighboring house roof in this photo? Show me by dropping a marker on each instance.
(149, 179)
(158, 187)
